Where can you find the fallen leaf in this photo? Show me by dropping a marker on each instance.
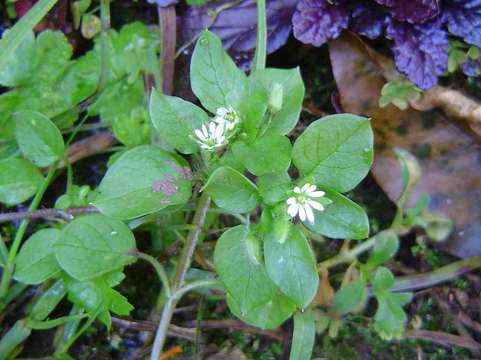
(450, 158)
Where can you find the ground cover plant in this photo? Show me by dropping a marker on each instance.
(224, 193)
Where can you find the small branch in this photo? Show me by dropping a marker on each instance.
(445, 273)
(442, 338)
(67, 214)
(158, 268)
(168, 32)
(182, 267)
(347, 256)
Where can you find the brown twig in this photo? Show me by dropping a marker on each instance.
(168, 30)
(67, 214)
(442, 338)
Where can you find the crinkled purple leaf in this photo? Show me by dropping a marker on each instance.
(163, 3)
(317, 21)
(420, 51)
(464, 19)
(368, 20)
(472, 67)
(413, 11)
(237, 25)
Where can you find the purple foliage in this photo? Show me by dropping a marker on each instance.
(237, 25)
(463, 18)
(420, 50)
(412, 11)
(317, 21)
(368, 20)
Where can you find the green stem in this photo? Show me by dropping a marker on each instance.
(194, 285)
(261, 48)
(182, 267)
(104, 44)
(445, 273)
(347, 256)
(158, 268)
(9, 266)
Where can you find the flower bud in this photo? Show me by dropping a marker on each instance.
(276, 98)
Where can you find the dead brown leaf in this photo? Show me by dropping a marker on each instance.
(449, 157)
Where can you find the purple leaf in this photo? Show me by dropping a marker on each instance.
(464, 19)
(237, 25)
(412, 11)
(368, 20)
(163, 3)
(420, 51)
(317, 21)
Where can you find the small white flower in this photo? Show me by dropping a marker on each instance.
(304, 201)
(227, 116)
(211, 136)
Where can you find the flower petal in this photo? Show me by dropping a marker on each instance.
(200, 134)
(291, 200)
(302, 213)
(316, 194)
(297, 190)
(204, 131)
(306, 187)
(316, 205)
(309, 213)
(212, 128)
(292, 209)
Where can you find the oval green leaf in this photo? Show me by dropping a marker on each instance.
(36, 261)
(292, 266)
(232, 191)
(335, 151)
(19, 180)
(143, 180)
(175, 121)
(342, 219)
(215, 78)
(38, 138)
(94, 245)
(251, 294)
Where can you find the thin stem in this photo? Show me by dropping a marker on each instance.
(194, 285)
(261, 48)
(182, 267)
(158, 268)
(347, 256)
(104, 44)
(66, 214)
(445, 273)
(8, 270)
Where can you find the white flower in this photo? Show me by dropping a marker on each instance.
(304, 201)
(227, 116)
(210, 137)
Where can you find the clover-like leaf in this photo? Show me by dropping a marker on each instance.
(19, 180)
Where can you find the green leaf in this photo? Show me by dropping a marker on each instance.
(303, 336)
(385, 247)
(94, 245)
(399, 93)
(349, 297)
(17, 334)
(18, 69)
(232, 191)
(132, 129)
(19, 180)
(175, 120)
(251, 295)
(292, 266)
(383, 280)
(48, 301)
(14, 38)
(38, 138)
(141, 181)
(390, 318)
(215, 79)
(341, 219)
(36, 261)
(283, 121)
(252, 110)
(274, 187)
(268, 154)
(336, 151)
